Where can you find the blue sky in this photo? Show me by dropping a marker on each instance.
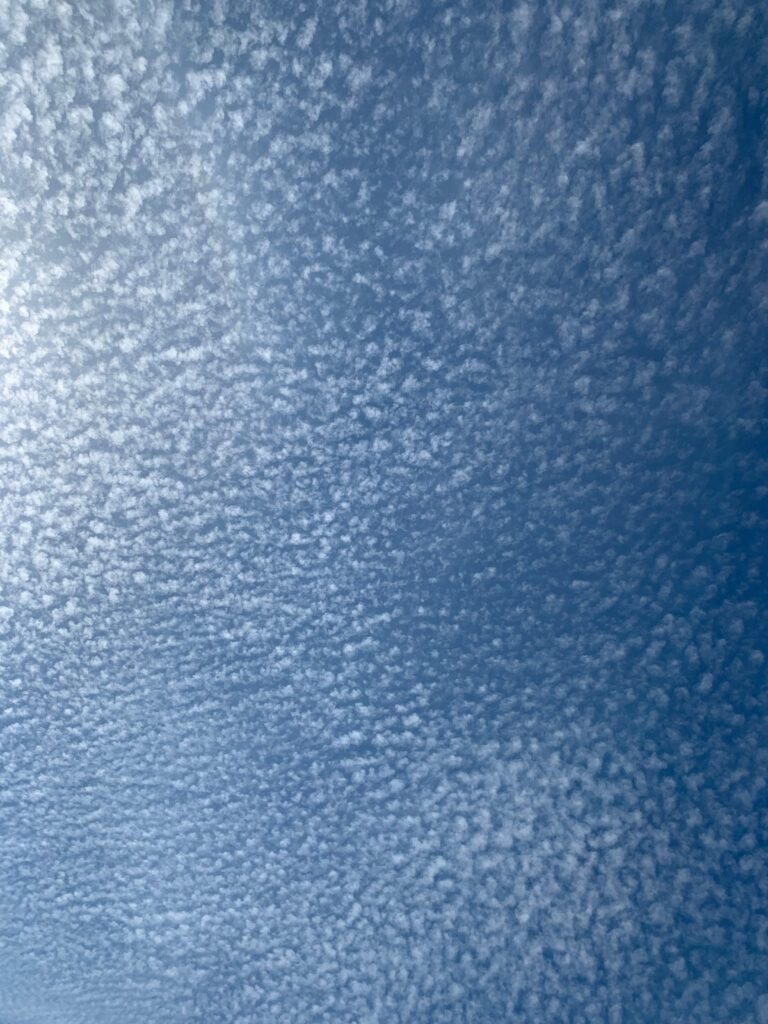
(383, 513)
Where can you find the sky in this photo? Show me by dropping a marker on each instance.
(383, 478)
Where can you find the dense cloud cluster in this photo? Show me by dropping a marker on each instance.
(383, 512)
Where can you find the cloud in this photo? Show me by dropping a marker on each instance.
(381, 514)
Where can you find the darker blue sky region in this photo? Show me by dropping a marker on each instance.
(383, 513)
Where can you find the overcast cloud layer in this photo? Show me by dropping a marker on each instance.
(382, 513)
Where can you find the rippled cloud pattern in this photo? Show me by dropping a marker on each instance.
(383, 478)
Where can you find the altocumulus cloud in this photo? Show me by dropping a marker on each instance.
(383, 512)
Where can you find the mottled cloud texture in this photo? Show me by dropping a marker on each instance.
(383, 479)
